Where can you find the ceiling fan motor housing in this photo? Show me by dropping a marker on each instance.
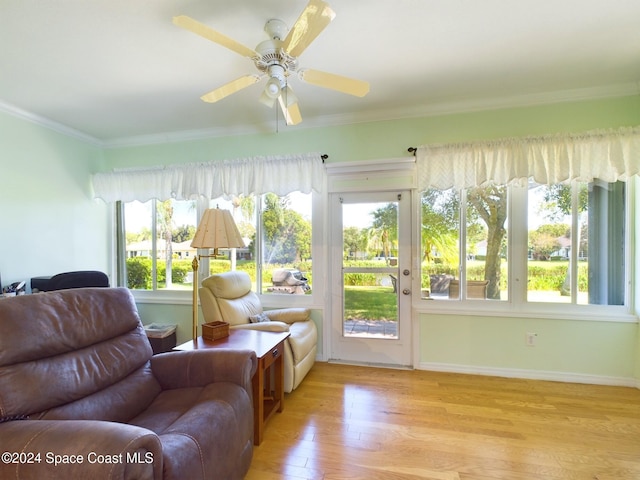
(276, 29)
(274, 60)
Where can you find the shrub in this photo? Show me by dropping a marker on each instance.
(139, 273)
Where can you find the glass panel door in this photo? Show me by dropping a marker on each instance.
(371, 278)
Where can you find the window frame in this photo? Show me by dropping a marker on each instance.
(184, 297)
(517, 305)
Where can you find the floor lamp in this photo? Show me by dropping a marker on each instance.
(215, 230)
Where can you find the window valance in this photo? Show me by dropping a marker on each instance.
(607, 155)
(256, 175)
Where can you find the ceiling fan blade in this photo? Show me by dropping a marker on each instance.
(312, 21)
(342, 84)
(209, 33)
(230, 88)
(290, 98)
(291, 113)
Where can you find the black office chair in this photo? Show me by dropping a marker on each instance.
(66, 280)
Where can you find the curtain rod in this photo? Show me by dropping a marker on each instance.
(324, 156)
(412, 150)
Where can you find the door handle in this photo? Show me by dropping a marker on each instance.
(406, 291)
(406, 272)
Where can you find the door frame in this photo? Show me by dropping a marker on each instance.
(377, 175)
(397, 352)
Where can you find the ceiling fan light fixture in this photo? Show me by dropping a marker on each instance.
(272, 90)
(276, 81)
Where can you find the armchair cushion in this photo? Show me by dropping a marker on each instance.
(290, 315)
(303, 340)
(264, 326)
(228, 297)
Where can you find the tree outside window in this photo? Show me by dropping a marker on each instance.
(159, 255)
(575, 252)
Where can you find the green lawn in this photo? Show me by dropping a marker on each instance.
(370, 303)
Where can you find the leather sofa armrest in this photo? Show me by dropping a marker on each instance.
(78, 449)
(263, 326)
(198, 368)
(289, 315)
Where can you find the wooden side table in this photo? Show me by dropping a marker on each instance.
(269, 348)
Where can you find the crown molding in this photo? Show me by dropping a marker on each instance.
(504, 102)
(48, 123)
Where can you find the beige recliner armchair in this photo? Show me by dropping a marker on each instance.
(228, 297)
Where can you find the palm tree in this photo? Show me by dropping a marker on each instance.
(384, 229)
(164, 216)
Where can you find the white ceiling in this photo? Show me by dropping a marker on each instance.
(119, 71)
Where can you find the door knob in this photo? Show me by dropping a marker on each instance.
(406, 272)
(406, 291)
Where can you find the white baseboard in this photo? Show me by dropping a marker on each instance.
(566, 377)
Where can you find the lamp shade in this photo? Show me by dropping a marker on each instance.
(217, 230)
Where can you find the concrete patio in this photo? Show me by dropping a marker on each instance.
(371, 328)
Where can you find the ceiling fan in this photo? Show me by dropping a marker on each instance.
(277, 58)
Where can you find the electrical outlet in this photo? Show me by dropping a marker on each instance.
(530, 339)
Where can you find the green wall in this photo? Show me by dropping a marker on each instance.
(573, 349)
(49, 221)
(389, 139)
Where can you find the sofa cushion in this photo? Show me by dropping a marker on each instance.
(97, 356)
(177, 417)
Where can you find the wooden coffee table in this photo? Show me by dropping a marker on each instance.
(269, 348)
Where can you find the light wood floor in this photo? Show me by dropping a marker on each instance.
(348, 423)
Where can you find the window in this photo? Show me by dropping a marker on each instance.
(276, 229)
(575, 244)
(285, 243)
(157, 237)
(480, 273)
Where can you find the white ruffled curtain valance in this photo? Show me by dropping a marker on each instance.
(256, 175)
(608, 155)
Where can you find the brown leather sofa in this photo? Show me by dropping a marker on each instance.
(81, 395)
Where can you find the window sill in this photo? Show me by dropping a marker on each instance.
(483, 308)
(168, 297)
(185, 297)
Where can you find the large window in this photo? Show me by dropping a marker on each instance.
(157, 237)
(464, 244)
(576, 243)
(473, 244)
(276, 231)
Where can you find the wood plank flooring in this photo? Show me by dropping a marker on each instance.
(348, 422)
